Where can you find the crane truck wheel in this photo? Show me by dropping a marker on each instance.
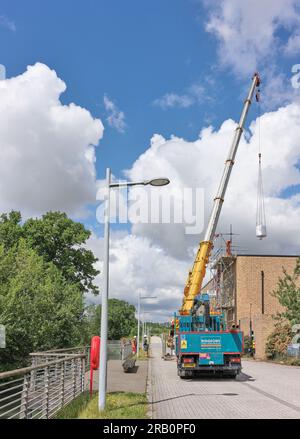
(182, 374)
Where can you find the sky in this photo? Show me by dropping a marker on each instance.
(151, 89)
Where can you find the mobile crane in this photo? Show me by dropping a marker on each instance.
(202, 342)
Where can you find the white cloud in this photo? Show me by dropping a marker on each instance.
(116, 118)
(194, 94)
(293, 45)
(47, 152)
(171, 100)
(247, 31)
(136, 265)
(7, 23)
(200, 163)
(157, 258)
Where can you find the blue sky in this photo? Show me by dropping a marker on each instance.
(170, 67)
(135, 52)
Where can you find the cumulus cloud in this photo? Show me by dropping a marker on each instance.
(200, 163)
(7, 23)
(293, 45)
(47, 149)
(194, 94)
(247, 31)
(157, 257)
(137, 265)
(116, 118)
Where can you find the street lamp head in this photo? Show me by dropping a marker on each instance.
(158, 182)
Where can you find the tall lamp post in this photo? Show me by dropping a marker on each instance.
(139, 311)
(145, 321)
(104, 307)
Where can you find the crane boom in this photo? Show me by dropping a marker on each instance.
(196, 275)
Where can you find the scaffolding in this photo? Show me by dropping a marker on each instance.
(223, 280)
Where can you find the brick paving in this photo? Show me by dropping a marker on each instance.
(263, 390)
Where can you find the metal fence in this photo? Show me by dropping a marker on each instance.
(293, 350)
(40, 391)
(53, 380)
(58, 354)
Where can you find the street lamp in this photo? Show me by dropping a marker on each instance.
(104, 308)
(144, 325)
(139, 310)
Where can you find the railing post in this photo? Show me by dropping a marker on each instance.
(33, 373)
(82, 374)
(24, 399)
(46, 395)
(62, 384)
(74, 377)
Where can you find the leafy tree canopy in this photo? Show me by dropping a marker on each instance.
(288, 295)
(39, 308)
(121, 319)
(59, 240)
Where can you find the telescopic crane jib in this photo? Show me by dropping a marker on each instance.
(196, 275)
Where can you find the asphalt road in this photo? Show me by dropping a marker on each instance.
(262, 390)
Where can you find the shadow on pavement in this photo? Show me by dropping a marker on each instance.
(240, 378)
(134, 369)
(194, 394)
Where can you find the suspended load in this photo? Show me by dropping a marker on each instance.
(261, 228)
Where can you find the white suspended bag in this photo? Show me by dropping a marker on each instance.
(261, 231)
(261, 228)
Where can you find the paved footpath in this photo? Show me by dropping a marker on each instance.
(263, 390)
(119, 381)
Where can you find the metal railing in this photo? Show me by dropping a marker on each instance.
(57, 354)
(40, 391)
(293, 350)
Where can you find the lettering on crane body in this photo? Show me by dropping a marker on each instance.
(209, 342)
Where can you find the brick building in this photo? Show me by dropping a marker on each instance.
(244, 286)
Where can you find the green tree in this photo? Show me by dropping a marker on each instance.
(59, 240)
(121, 319)
(158, 328)
(39, 308)
(279, 340)
(10, 229)
(288, 295)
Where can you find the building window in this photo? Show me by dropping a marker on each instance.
(262, 279)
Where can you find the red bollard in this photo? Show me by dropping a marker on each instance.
(94, 358)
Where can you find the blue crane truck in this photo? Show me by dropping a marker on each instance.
(202, 341)
(203, 345)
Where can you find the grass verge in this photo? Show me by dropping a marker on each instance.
(119, 405)
(286, 361)
(143, 356)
